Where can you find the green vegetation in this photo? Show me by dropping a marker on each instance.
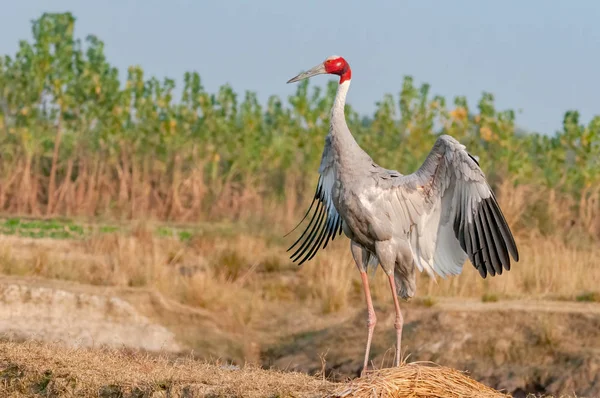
(589, 297)
(68, 229)
(75, 140)
(41, 228)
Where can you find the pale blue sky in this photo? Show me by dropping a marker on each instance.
(538, 56)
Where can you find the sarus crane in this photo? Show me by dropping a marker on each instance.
(431, 220)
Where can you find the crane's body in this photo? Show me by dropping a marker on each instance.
(431, 220)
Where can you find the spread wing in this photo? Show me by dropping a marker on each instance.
(325, 221)
(450, 213)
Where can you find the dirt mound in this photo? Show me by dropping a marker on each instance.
(78, 319)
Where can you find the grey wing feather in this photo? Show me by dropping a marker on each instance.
(450, 213)
(325, 222)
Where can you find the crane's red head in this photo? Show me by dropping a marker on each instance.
(333, 65)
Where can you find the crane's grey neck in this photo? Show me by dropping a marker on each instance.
(347, 153)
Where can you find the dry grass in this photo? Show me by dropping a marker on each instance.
(548, 267)
(35, 369)
(31, 369)
(246, 271)
(251, 266)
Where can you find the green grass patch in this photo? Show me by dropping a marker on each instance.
(589, 297)
(108, 229)
(69, 229)
(31, 228)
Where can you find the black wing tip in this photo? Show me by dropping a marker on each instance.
(497, 239)
(321, 228)
(482, 271)
(509, 238)
(487, 239)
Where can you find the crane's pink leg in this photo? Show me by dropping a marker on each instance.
(371, 320)
(399, 320)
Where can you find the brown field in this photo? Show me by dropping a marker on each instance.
(230, 294)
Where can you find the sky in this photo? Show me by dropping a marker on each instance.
(538, 57)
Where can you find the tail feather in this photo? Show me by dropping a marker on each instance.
(372, 262)
(406, 284)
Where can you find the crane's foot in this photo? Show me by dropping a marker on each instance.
(372, 320)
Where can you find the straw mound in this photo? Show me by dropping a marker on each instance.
(416, 380)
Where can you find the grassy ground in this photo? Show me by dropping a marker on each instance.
(235, 256)
(72, 229)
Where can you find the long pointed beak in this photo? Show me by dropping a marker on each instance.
(317, 70)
